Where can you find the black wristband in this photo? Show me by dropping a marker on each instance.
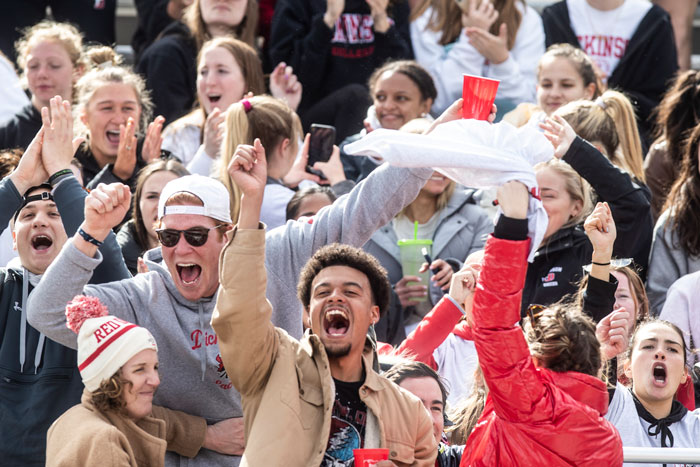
(58, 174)
(89, 238)
(601, 264)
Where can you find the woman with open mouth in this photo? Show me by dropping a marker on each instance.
(112, 106)
(228, 69)
(646, 414)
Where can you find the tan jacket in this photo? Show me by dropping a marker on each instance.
(286, 386)
(86, 437)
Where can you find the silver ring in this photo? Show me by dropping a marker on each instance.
(128, 148)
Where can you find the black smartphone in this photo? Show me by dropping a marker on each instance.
(321, 143)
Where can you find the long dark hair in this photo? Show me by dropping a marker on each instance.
(684, 200)
(678, 113)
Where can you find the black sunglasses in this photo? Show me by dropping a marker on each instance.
(196, 236)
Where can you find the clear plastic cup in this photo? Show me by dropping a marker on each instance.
(412, 259)
(369, 457)
(478, 94)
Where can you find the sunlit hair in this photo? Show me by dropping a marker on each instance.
(581, 62)
(159, 165)
(447, 18)
(678, 113)
(650, 321)
(563, 339)
(413, 71)
(245, 31)
(577, 188)
(268, 119)
(468, 410)
(684, 200)
(609, 119)
(9, 160)
(105, 70)
(63, 33)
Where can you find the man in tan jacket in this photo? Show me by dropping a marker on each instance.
(310, 402)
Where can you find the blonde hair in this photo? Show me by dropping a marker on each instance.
(246, 31)
(609, 119)
(106, 69)
(447, 18)
(65, 34)
(268, 119)
(577, 188)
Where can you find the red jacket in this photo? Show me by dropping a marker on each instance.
(532, 416)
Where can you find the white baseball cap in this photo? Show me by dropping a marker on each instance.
(212, 192)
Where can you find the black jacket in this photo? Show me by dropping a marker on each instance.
(326, 59)
(32, 396)
(93, 175)
(558, 264)
(629, 200)
(170, 68)
(19, 131)
(643, 72)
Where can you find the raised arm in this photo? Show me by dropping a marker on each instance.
(247, 339)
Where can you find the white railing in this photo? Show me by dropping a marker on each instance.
(662, 455)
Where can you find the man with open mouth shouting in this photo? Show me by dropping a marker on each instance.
(174, 300)
(39, 377)
(317, 398)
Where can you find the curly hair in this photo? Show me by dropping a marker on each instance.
(684, 200)
(337, 254)
(563, 339)
(109, 396)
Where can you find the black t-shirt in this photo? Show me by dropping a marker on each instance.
(347, 425)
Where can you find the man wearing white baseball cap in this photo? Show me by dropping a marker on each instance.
(174, 300)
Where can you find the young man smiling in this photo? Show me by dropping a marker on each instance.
(317, 398)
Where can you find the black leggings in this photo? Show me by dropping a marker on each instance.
(94, 18)
(345, 109)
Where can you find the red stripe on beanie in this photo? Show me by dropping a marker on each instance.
(104, 345)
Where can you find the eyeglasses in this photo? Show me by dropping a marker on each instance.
(196, 236)
(614, 264)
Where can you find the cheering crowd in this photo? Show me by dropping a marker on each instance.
(186, 282)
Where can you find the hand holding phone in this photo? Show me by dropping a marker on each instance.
(320, 146)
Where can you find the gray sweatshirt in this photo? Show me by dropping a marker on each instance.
(667, 263)
(192, 376)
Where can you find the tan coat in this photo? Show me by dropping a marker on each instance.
(86, 437)
(286, 385)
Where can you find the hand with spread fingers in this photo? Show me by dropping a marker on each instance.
(559, 133)
(126, 151)
(59, 145)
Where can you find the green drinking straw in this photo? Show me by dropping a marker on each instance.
(415, 230)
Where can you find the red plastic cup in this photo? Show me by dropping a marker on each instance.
(369, 457)
(478, 94)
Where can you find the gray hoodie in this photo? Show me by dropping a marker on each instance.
(192, 376)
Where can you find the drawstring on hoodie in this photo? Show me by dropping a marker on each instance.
(23, 329)
(203, 352)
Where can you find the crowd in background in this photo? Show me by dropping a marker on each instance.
(164, 224)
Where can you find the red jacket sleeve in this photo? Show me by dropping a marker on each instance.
(431, 332)
(515, 387)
